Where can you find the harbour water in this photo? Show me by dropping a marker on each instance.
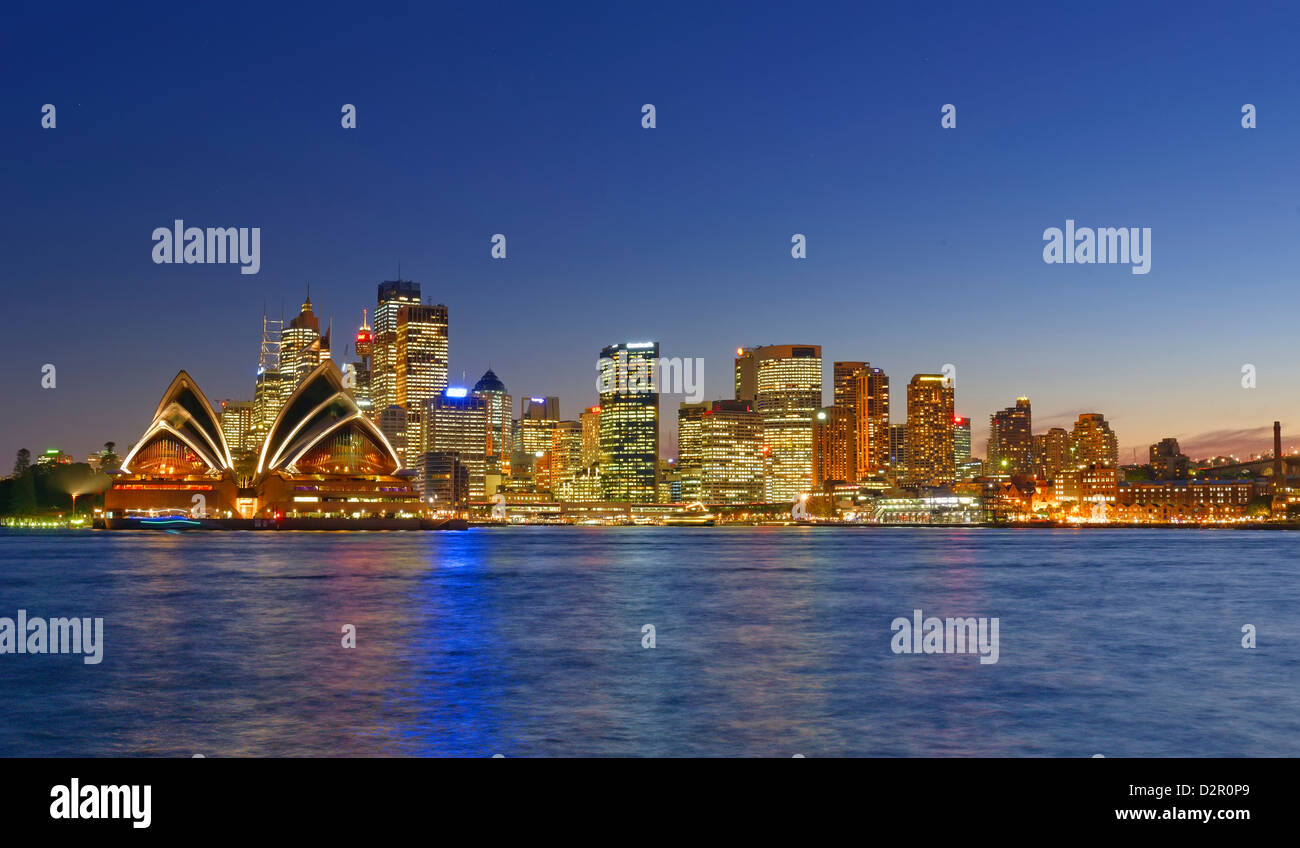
(770, 641)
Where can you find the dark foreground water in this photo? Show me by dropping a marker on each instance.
(768, 641)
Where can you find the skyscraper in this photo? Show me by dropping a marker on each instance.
(746, 374)
(871, 426)
(267, 394)
(538, 417)
(237, 425)
(300, 348)
(421, 353)
(393, 295)
(590, 420)
(500, 428)
(629, 422)
(1011, 441)
(930, 455)
(1092, 441)
(456, 422)
(731, 453)
(788, 392)
(1052, 452)
(689, 459)
(961, 439)
(834, 459)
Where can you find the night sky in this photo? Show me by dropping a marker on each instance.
(924, 244)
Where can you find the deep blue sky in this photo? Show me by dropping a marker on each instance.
(924, 245)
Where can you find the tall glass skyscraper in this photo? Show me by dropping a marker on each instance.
(629, 422)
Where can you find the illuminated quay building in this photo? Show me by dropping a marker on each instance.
(731, 453)
(787, 394)
(629, 422)
(930, 454)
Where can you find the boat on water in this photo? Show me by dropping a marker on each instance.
(694, 515)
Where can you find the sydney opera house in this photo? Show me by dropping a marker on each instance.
(322, 465)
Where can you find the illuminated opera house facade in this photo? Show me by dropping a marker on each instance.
(322, 461)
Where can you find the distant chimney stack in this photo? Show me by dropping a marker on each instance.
(1279, 475)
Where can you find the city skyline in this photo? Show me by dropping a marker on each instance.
(679, 233)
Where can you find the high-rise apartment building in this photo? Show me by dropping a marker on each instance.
(1052, 453)
(1092, 441)
(834, 457)
(961, 440)
(1011, 440)
(930, 455)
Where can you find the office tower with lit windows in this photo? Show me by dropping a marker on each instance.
(1052, 452)
(393, 296)
(689, 466)
(868, 390)
(961, 440)
(788, 393)
(834, 459)
(629, 422)
(930, 454)
(1011, 441)
(393, 424)
(456, 422)
(500, 428)
(746, 373)
(237, 425)
(538, 417)
(898, 447)
(565, 458)
(590, 420)
(1093, 442)
(731, 453)
(421, 354)
(301, 349)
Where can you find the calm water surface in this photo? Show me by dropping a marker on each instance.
(769, 641)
